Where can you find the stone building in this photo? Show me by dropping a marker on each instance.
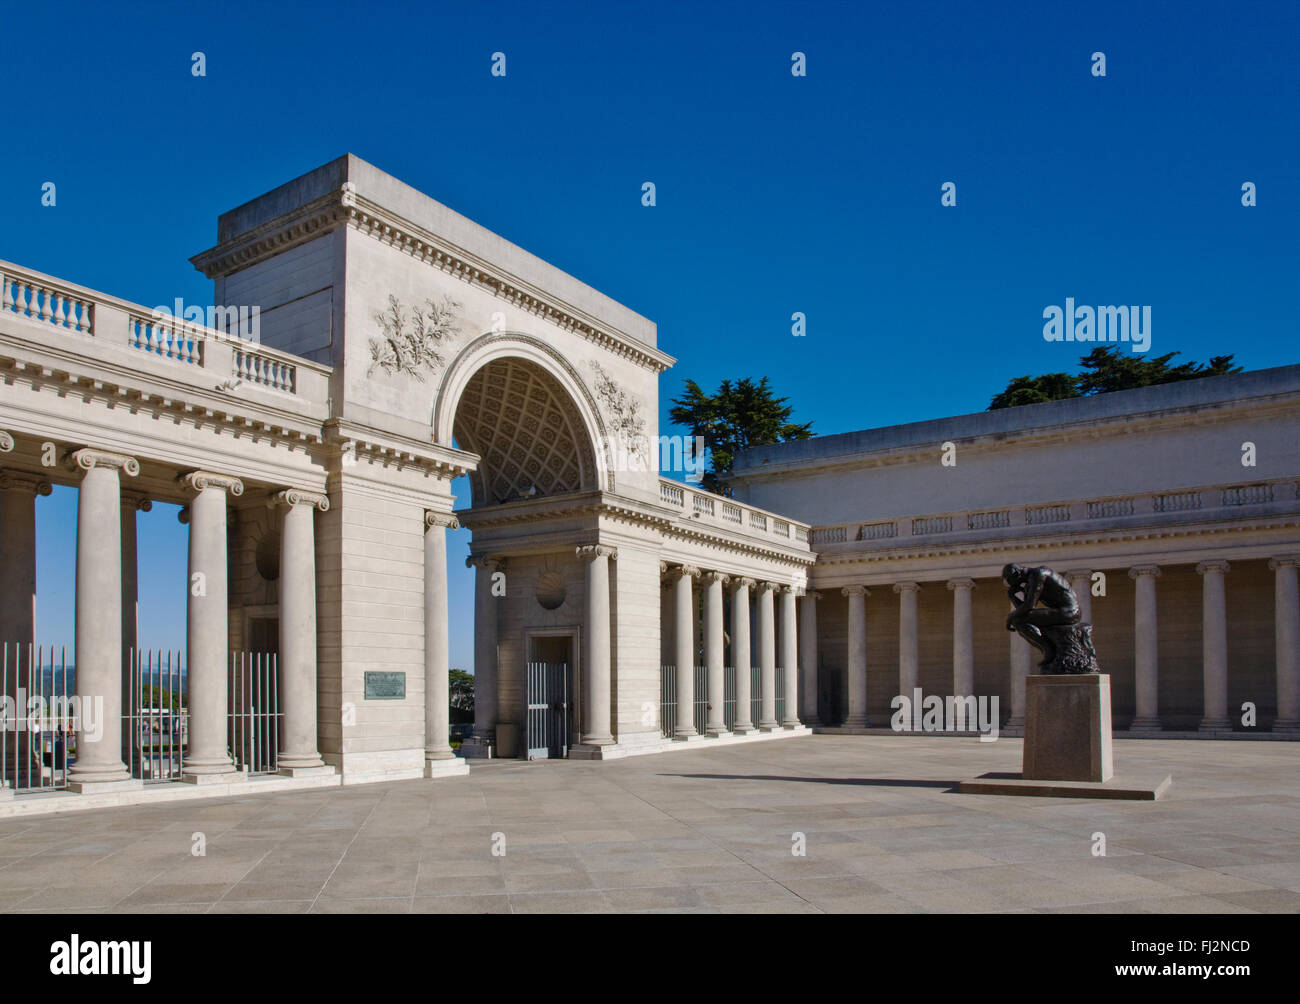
(397, 346)
(368, 346)
(1173, 510)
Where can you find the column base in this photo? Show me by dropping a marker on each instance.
(720, 732)
(322, 771)
(688, 737)
(747, 729)
(439, 753)
(855, 722)
(300, 761)
(455, 767)
(1287, 725)
(1215, 725)
(791, 723)
(6, 793)
(98, 787)
(227, 777)
(1015, 722)
(769, 726)
(1145, 725)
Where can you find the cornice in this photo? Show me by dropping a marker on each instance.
(1004, 545)
(347, 207)
(353, 442)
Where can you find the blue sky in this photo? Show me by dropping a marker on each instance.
(776, 194)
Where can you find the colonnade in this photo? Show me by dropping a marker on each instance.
(681, 580)
(1021, 656)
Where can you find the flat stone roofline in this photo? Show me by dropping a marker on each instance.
(1193, 394)
(410, 204)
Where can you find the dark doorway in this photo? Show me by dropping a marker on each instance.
(549, 679)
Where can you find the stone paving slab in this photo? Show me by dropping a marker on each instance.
(879, 820)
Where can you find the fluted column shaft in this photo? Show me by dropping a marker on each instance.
(99, 619)
(207, 631)
(767, 658)
(790, 657)
(485, 648)
(963, 643)
(1021, 655)
(1214, 645)
(437, 651)
(740, 655)
(297, 656)
(808, 657)
(857, 655)
(714, 654)
(1286, 622)
(1146, 689)
(684, 649)
(908, 658)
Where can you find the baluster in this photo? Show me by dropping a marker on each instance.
(46, 297)
(87, 317)
(61, 312)
(20, 294)
(6, 300)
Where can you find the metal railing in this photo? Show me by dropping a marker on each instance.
(254, 712)
(155, 716)
(36, 739)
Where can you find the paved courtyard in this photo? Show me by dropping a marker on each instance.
(697, 831)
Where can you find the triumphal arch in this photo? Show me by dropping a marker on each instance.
(375, 346)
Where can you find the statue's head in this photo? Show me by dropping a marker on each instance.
(1013, 575)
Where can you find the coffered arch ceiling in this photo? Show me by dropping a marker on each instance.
(528, 432)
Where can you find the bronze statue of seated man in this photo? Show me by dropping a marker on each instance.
(1053, 628)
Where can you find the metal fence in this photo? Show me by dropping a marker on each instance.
(36, 738)
(668, 709)
(155, 716)
(254, 712)
(549, 695)
(668, 697)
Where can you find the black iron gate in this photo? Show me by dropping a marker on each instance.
(548, 710)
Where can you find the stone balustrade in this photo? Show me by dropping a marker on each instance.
(214, 357)
(1199, 503)
(732, 517)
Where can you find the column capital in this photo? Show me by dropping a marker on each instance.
(768, 587)
(137, 501)
(713, 575)
(590, 551)
(443, 519)
(485, 562)
(792, 589)
(88, 459)
(1284, 561)
(855, 591)
(6, 442)
(291, 497)
(812, 594)
(742, 582)
(196, 481)
(14, 481)
(1215, 565)
(907, 587)
(684, 571)
(955, 584)
(1139, 570)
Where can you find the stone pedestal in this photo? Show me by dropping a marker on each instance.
(1067, 728)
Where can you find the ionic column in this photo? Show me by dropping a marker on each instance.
(740, 655)
(767, 659)
(790, 658)
(908, 660)
(18, 596)
(1081, 582)
(963, 644)
(437, 657)
(99, 620)
(132, 503)
(684, 648)
(297, 657)
(857, 664)
(714, 654)
(1021, 657)
(1214, 646)
(485, 648)
(808, 656)
(1146, 717)
(207, 633)
(597, 730)
(1286, 623)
